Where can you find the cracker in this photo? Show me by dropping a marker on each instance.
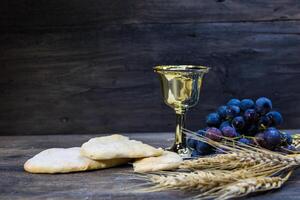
(117, 146)
(167, 161)
(60, 160)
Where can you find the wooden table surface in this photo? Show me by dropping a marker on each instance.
(114, 183)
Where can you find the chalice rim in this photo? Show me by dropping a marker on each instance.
(182, 68)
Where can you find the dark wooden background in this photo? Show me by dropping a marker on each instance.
(73, 66)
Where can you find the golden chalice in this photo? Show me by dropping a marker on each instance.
(181, 86)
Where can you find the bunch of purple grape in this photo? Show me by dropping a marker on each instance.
(246, 121)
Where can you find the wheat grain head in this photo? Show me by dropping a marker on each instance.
(246, 186)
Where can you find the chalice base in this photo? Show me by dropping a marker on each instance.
(184, 152)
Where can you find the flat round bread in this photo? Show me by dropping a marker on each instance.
(60, 160)
(117, 146)
(167, 161)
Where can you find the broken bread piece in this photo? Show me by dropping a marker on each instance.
(117, 146)
(60, 160)
(167, 161)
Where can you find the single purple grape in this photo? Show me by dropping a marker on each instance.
(213, 120)
(234, 102)
(272, 137)
(229, 131)
(275, 118)
(232, 111)
(247, 104)
(263, 105)
(238, 123)
(213, 134)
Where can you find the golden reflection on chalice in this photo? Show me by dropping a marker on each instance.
(181, 86)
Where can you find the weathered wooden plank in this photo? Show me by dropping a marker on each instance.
(114, 183)
(30, 15)
(101, 79)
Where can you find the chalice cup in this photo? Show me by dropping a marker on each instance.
(181, 85)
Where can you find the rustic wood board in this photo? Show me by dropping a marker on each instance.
(115, 183)
(72, 67)
(30, 14)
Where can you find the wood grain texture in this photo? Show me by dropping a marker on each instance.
(114, 183)
(78, 67)
(29, 14)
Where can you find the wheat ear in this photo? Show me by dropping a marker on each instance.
(205, 180)
(245, 186)
(225, 161)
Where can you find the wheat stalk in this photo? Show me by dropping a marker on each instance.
(244, 187)
(199, 180)
(238, 160)
(205, 180)
(243, 169)
(224, 161)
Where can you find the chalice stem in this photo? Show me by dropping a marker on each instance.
(179, 145)
(179, 136)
